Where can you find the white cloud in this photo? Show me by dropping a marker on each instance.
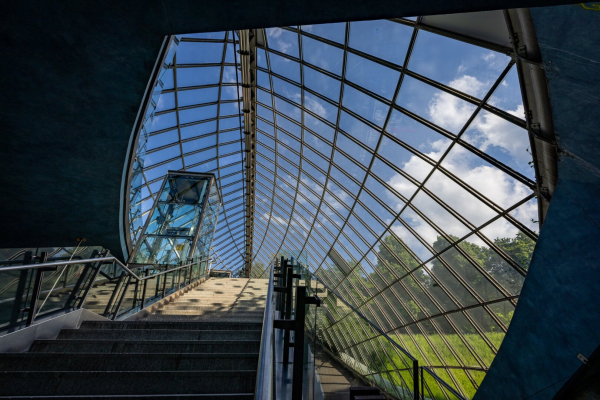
(495, 131)
(489, 181)
(274, 32)
(470, 84)
(489, 57)
(277, 42)
(449, 111)
(229, 75)
(527, 214)
(487, 129)
(315, 106)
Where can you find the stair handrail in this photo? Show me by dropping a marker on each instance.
(266, 358)
(97, 259)
(440, 381)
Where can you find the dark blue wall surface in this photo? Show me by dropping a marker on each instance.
(558, 315)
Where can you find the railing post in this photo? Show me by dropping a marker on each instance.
(144, 285)
(179, 278)
(94, 275)
(66, 275)
(37, 286)
(298, 369)
(122, 298)
(299, 321)
(289, 291)
(164, 289)
(17, 310)
(422, 384)
(416, 379)
(113, 295)
(282, 281)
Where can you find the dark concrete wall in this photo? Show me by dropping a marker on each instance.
(558, 315)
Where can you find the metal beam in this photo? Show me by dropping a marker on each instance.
(248, 61)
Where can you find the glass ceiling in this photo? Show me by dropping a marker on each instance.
(194, 125)
(395, 159)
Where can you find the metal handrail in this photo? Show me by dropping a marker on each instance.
(441, 382)
(89, 260)
(266, 358)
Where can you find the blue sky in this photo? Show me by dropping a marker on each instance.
(304, 143)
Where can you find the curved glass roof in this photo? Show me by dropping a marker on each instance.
(195, 125)
(391, 157)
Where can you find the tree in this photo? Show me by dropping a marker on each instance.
(399, 260)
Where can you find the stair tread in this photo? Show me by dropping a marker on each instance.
(135, 341)
(206, 342)
(120, 382)
(181, 325)
(133, 362)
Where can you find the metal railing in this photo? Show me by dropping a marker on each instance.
(423, 378)
(266, 359)
(368, 351)
(25, 284)
(98, 259)
(427, 387)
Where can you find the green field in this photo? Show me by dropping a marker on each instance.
(435, 350)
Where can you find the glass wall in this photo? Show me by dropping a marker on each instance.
(398, 161)
(178, 219)
(394, 159)
(195, 125)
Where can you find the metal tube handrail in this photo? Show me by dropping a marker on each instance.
(443, 383)
(89, 260)
(264, 376)
(385, 335)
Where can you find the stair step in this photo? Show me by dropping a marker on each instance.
(159, 334)
(214, 318)
(217, 396)
(191, 306)
(146, 346)
(196, 326)
(132, 362)
(125, 383)
(202, 312)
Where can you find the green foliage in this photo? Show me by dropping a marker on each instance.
(441, 346)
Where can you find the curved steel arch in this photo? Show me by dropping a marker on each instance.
(309, 183)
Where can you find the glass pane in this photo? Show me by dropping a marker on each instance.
(461, 65)
(322, 55)
(384, 39)
(335, 32)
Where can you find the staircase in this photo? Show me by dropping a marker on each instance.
(226, 299)
(203, 345)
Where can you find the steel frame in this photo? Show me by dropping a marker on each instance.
(287, 198)
(280, 238)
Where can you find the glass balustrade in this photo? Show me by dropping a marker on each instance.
(36, 283)
(350, 337)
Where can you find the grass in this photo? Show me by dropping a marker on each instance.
(435, 350)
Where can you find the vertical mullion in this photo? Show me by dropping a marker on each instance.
(237, 91)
